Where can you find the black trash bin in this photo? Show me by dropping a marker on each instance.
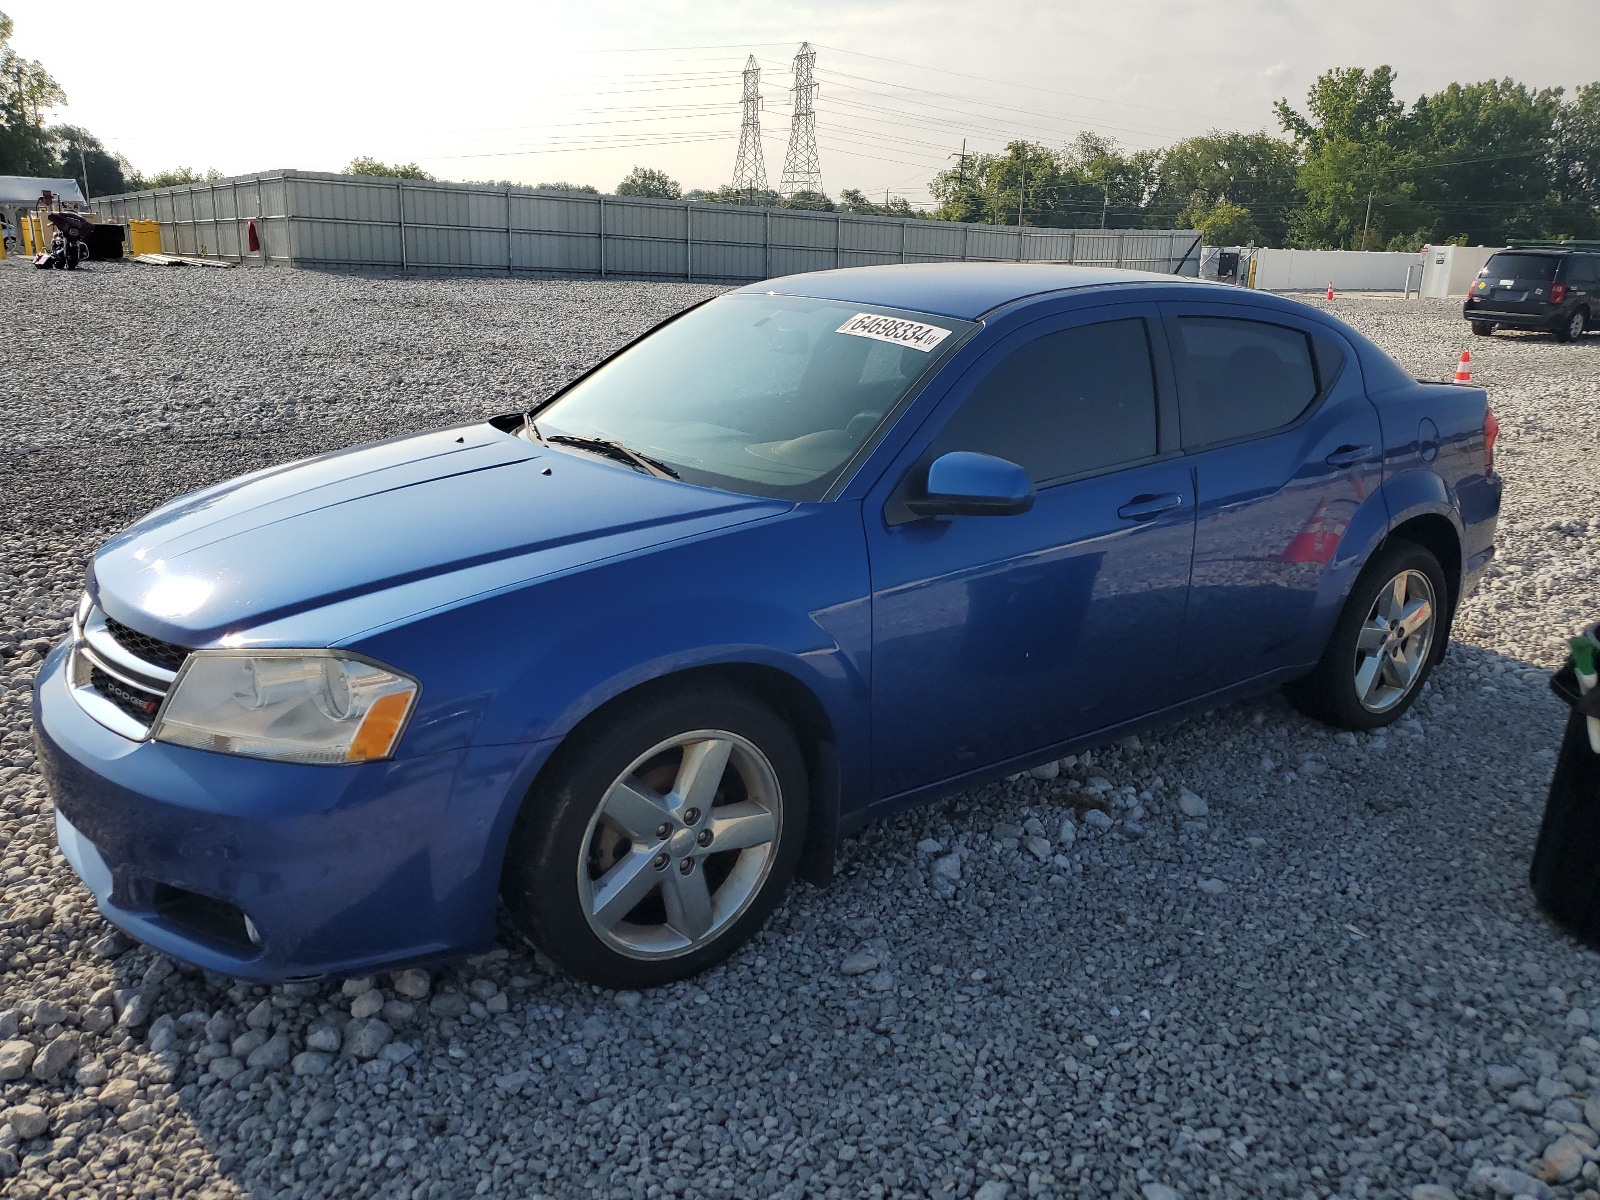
(1566, 859)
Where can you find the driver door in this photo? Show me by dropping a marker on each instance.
(998, 636)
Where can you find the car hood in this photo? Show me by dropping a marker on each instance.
(369, 536)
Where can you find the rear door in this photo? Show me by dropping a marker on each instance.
(1519, 282)
(1582, 277)
(1284, 445)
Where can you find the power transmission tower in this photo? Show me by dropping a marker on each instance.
(802, 170)
(750, 169)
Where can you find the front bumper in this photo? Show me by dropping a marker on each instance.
(339, 870)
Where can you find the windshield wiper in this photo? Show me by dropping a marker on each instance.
(530, 430)
(615, 450)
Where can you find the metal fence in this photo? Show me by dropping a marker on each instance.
(334, 222)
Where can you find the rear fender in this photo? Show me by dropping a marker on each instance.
(1365, 533)
(1418, 492)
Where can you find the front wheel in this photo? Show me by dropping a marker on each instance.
(1384, 644)
(1572, 330)
(661, 839)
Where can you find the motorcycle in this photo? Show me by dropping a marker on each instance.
(69, 246)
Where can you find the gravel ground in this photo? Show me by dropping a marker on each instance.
(1241, 957)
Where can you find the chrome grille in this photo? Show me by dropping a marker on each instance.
(120, 676)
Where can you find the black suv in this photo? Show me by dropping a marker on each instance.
(1554, 288)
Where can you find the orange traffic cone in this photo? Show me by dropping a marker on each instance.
(1464, 367)
(1330, 289)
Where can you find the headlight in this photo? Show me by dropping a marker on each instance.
(306, 706)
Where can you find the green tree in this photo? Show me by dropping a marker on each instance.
(1483, 153)
(1078, 186)
(726, 194)
(851, 200)
(1223, 224)
(587, 189)
(27, 91)
(1354, 143)
(365, 165)
(1575, 165)
(172, 177)
(77, 149)
(805, 198)
(644, 181)
(1255, 171)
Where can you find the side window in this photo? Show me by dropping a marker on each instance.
(1245, 377)
(1079, 400)
(1582, 272)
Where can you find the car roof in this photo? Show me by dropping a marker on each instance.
(964, 290)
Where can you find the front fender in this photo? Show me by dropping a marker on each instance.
(789, 594)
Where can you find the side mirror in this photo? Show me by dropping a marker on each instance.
(965, 484)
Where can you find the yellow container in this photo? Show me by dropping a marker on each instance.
(144, 237)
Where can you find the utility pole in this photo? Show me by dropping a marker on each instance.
(1367, 224)
(961, 172)
(1105, 200)
(1021, 192)
(85, 166)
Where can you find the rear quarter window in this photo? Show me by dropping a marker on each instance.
(1245, 377)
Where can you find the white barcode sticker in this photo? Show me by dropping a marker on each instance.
(895, 329)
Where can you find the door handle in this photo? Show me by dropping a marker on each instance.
(1147, 507)
(1349, 456)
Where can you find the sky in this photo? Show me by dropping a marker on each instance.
(581, 91)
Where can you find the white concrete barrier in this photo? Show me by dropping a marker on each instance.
(1349, 270)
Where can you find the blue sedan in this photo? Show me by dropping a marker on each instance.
(804, 555)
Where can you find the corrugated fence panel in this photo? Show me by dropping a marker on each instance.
(986, 243)
(731, 261)
(925, 239)
(633, 218)
(316, 219)
(345, 243)
(724, 223)
(881, 236)
(792, 229)
(561, 215)
(642, 257)
(557, 253)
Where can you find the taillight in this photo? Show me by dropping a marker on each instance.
(1558, 293)
(1491, 435)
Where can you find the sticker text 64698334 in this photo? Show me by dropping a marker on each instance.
(895, 329)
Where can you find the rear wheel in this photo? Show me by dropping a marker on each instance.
(1384, 644)
(661, 840)
(1572, 330)
(1483, 328)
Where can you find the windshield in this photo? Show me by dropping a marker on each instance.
(761, 394)
(1525, 268)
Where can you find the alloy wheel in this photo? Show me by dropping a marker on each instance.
(1575, 326)
(680, 844)
(1395, 641)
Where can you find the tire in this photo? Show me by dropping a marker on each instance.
(1483, 328)
(592, 829)
(1367, 677)
(1572, 329)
